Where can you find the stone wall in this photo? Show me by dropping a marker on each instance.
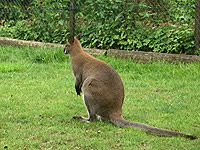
(137, 56)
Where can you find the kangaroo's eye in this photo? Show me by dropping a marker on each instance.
(67, 45)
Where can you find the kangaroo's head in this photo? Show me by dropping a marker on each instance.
(73, 44)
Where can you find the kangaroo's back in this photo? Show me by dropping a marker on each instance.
(99, 70)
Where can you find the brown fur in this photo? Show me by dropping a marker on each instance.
(103, 90)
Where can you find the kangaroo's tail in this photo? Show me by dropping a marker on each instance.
(158, 131)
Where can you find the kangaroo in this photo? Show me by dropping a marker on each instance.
(102, 90)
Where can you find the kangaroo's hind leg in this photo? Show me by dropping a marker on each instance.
(90, 108)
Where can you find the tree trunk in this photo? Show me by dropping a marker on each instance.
(197, 25)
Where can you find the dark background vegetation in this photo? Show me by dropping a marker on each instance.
(143, 25)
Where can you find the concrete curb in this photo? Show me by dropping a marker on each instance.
(137, 56)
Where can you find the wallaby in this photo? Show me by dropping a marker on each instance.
(103, 90)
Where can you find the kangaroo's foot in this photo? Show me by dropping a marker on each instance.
(91, 119)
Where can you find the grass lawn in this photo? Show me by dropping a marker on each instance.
(38, 100)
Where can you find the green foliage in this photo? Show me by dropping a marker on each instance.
(45, 21)
(138, 26)
(163, 26)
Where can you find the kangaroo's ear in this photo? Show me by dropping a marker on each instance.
(71, 39)
(79, 36)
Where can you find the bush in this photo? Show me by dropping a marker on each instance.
(45, 22)
(137, 26)
(117, 24)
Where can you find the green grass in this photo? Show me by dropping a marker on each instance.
(38, 100)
